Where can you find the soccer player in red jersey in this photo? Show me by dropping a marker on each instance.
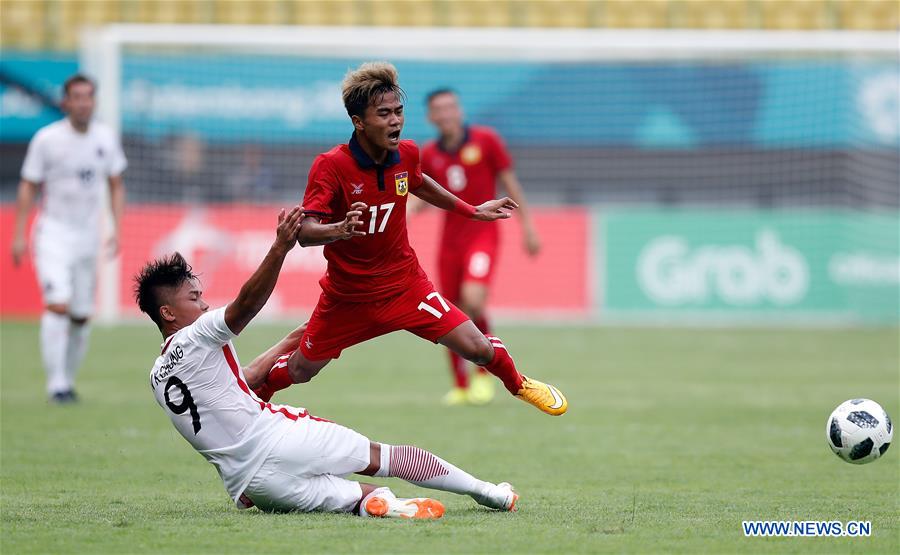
(469, 160)
(277, 457)
(355, 205)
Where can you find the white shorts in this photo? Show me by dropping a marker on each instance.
(304, 472)
(66, 275)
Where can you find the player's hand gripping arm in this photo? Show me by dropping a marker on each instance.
(258, 288)
(314, 233)
(432, 193)
(24, 202)
(117, 206)
(257, 370)
(511, 183)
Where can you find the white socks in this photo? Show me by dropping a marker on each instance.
(54, 341)
(76, 349)
(425, 469)
(63, 346)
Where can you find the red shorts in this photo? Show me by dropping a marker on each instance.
(336, 325)
(473, 262)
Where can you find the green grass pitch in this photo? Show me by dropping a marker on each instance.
(672, 439)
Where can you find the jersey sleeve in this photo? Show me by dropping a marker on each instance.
(321, 189)
(211, 330)
(117, 162)
(33, 169)
(500, 157)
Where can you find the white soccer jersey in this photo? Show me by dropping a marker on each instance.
(74, 168)
(199, 383)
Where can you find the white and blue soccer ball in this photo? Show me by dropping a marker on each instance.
(859, 431)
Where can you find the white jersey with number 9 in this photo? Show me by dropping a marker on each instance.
(199, 383)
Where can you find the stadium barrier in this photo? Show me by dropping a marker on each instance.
(820, 267)
(226, 243)
(705, 266)
(793, 137)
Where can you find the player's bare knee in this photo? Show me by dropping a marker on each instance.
(471, 305)
(299, 369)
(58, 308)
(301, 373)
(473, 297)
(481, 351)
(473, 310)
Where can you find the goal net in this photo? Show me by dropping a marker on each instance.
(674, 173)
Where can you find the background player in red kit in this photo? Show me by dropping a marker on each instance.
(469, 160)
(355, 205)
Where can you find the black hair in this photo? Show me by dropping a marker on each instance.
(438, 92)
(167, 272)
(365, 85)
(76, 79)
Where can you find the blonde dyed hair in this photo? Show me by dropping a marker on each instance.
(366, 85)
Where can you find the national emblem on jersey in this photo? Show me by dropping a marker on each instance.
(470, 154)
(401, 180)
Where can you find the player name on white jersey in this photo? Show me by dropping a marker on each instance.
(198, 382)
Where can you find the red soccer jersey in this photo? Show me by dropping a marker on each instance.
(378, 265)
(471, 174)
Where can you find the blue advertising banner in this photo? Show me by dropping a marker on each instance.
(21, 114)
(681, 105)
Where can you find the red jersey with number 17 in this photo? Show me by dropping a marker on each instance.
(470, 173)
(380, 264)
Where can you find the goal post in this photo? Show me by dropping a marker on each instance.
(793, 134)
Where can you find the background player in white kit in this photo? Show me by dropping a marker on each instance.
(71, 160)
(276, 457)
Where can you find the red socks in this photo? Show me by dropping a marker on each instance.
(264, 392)
(278, 379)
(503, 367)
(460, 373)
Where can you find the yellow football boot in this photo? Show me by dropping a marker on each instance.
(455, 397)
(544, 396)
(481, 389)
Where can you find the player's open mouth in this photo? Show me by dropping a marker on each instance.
(394, 137)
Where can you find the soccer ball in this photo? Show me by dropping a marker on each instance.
(859, 431)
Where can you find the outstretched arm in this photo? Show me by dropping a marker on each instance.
(313, 232)
(259, 287)
(432, 193)
(257, 370)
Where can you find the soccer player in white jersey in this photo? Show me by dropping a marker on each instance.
(276, 457)
(70, 160)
